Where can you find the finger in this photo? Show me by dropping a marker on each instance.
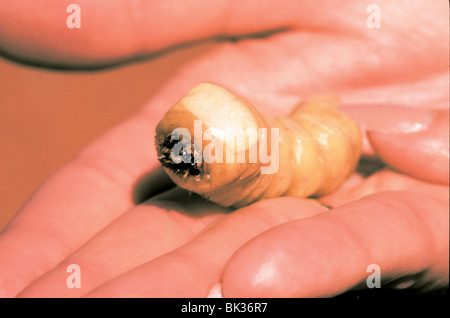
(120, 30)
(389, 118)
(423, 154)
(145, 232)
(405, 234)
(194, 268)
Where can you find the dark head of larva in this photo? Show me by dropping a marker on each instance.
(187, 165)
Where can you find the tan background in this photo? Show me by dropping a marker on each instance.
(48, 116)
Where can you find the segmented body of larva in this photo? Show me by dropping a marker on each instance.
(248, 157)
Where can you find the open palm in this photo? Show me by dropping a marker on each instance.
(115, 214)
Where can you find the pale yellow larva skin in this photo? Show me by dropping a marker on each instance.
(319, 147)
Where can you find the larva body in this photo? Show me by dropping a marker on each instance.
(317, 147)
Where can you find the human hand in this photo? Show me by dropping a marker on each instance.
(176, 245)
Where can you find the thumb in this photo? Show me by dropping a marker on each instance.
(110, 32)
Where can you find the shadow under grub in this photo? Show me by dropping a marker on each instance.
(187, 203)
(151, 184)
(156, 188)
(368, 165)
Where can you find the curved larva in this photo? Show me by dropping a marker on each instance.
(318, 147)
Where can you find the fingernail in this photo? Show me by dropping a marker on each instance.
(216, 291)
